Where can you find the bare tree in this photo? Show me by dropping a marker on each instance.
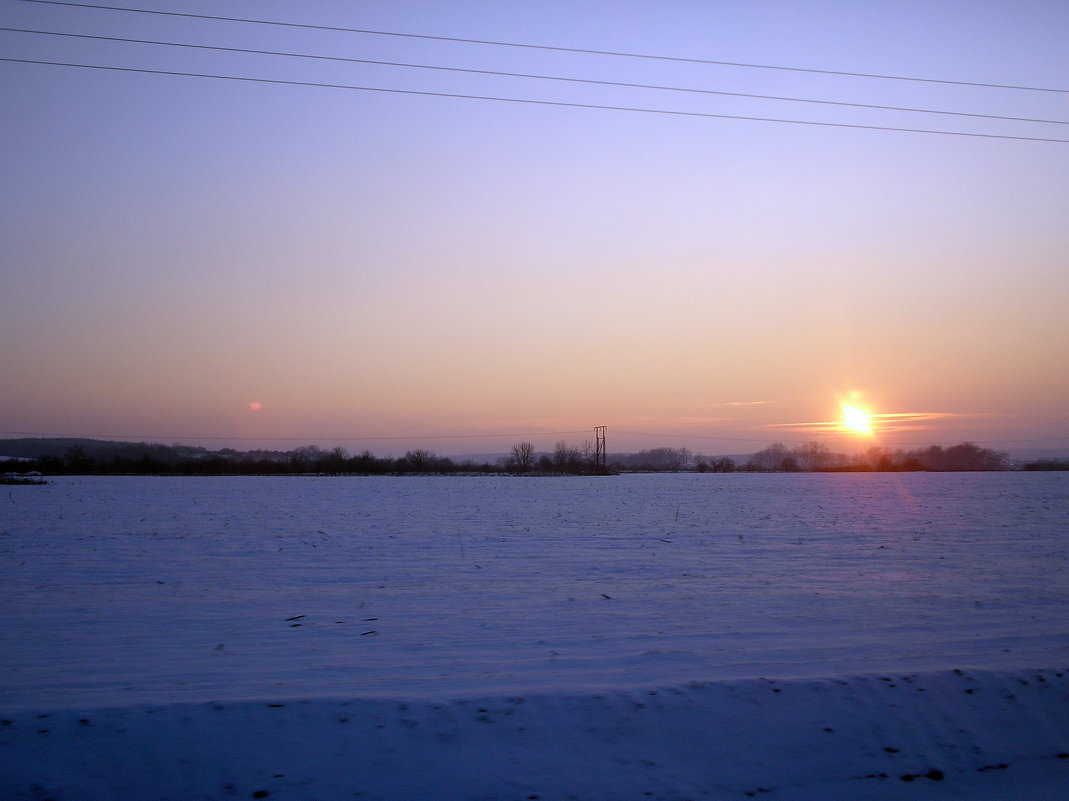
(722, 464)
(683, 457)
(522, 453)
(586, 455)
(305, 457)
(813, 455)
(773, 458)
(560, 456)
(335, 459)
(419, 460)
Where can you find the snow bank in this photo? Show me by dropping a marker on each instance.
(948, 735)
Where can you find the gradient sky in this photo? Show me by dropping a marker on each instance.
(365, 265)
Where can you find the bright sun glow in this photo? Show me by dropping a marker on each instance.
(856, 419)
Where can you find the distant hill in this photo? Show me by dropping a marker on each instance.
(57, 447)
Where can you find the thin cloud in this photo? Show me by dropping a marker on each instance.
(885, 422)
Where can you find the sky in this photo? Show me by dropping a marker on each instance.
(252, 264)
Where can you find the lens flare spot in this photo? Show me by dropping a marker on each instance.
(255, 406)
(856, 419)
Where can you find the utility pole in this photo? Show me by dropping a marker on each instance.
(599, 449)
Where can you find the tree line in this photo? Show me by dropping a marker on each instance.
(87, 457)
(815, 456)
(157, 460)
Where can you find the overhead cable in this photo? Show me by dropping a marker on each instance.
(498, 73)
(531, 101)
(839, 437)
(580, 50)
(422, 437)
(339, 437)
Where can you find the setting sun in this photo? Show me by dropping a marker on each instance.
(856, 419)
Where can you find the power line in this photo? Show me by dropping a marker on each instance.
(585, 51)
(337, 437)
(843, 436)
(529, 101)
(499, 73)
(425, 437)
(689, 436)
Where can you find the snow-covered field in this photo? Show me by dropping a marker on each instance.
(808, 636)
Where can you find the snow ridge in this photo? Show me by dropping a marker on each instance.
(943, 735)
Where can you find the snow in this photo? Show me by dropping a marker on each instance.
(673, 636)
